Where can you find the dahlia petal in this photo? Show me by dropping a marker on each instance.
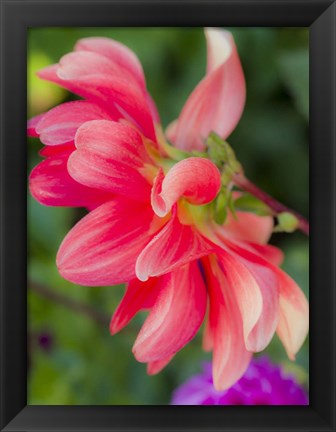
(170, 131)
(217, 103)
(173, 246)
(294, 315)
(293, 306)
(153, 109)
(50, 184)
(47, 151)
(102, 248)
(269, 252)
(197, 179)
(135, 298)
(60, 124)
(109, 157)
(207, 342)
(116, 52)
(94, 72)
(85, 63)
(247, 293)
(263, 331)
(31, 125)
(249, 227)
(175, 317)
(230, 357)
(115, 93)
(155, 367)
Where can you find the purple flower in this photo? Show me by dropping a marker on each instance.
(262, 384)
(45, 341)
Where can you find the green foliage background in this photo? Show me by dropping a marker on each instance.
(84, 364)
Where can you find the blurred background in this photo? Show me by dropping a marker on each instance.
(72, 357)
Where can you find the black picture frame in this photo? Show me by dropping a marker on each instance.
(16, 17)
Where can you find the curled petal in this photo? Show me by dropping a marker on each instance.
(196, 179)
(173, 246)
(137, 297)
(110, 157)
(50, 184)
(175, 317)
(230, 357)
(60, 124)
(103, 247)
(115, 52)
(217, 102)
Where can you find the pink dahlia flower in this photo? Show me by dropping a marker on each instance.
(151, 214)
(263, 383)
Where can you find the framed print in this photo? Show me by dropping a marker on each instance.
(168, 175)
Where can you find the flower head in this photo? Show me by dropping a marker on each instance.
(151, 210)
(263, 383)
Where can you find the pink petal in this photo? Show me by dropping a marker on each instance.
(230, 357)
(173, 246)
(269, 252)
(116, 52)
(117, 94)
(110, 156)
(217, 103)
(196, 179)
(260, 308)
(102, 248)
(249, 227)
(50, 184)
(207, 342)
(175, 317)
(155, 367)
(85, 63)
(47, 151)
(88, 91)
(60, 124)
(294, 315)
(263, 331)
(153, 109)
(136, 296)
(31, 125)
(249, 231)
(293, 306)
(171, 130)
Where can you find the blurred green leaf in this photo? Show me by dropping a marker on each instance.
(294, 69)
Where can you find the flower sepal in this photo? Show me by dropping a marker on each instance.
(223, 156)
(248, 203)
(224, 203)
(287, 222)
